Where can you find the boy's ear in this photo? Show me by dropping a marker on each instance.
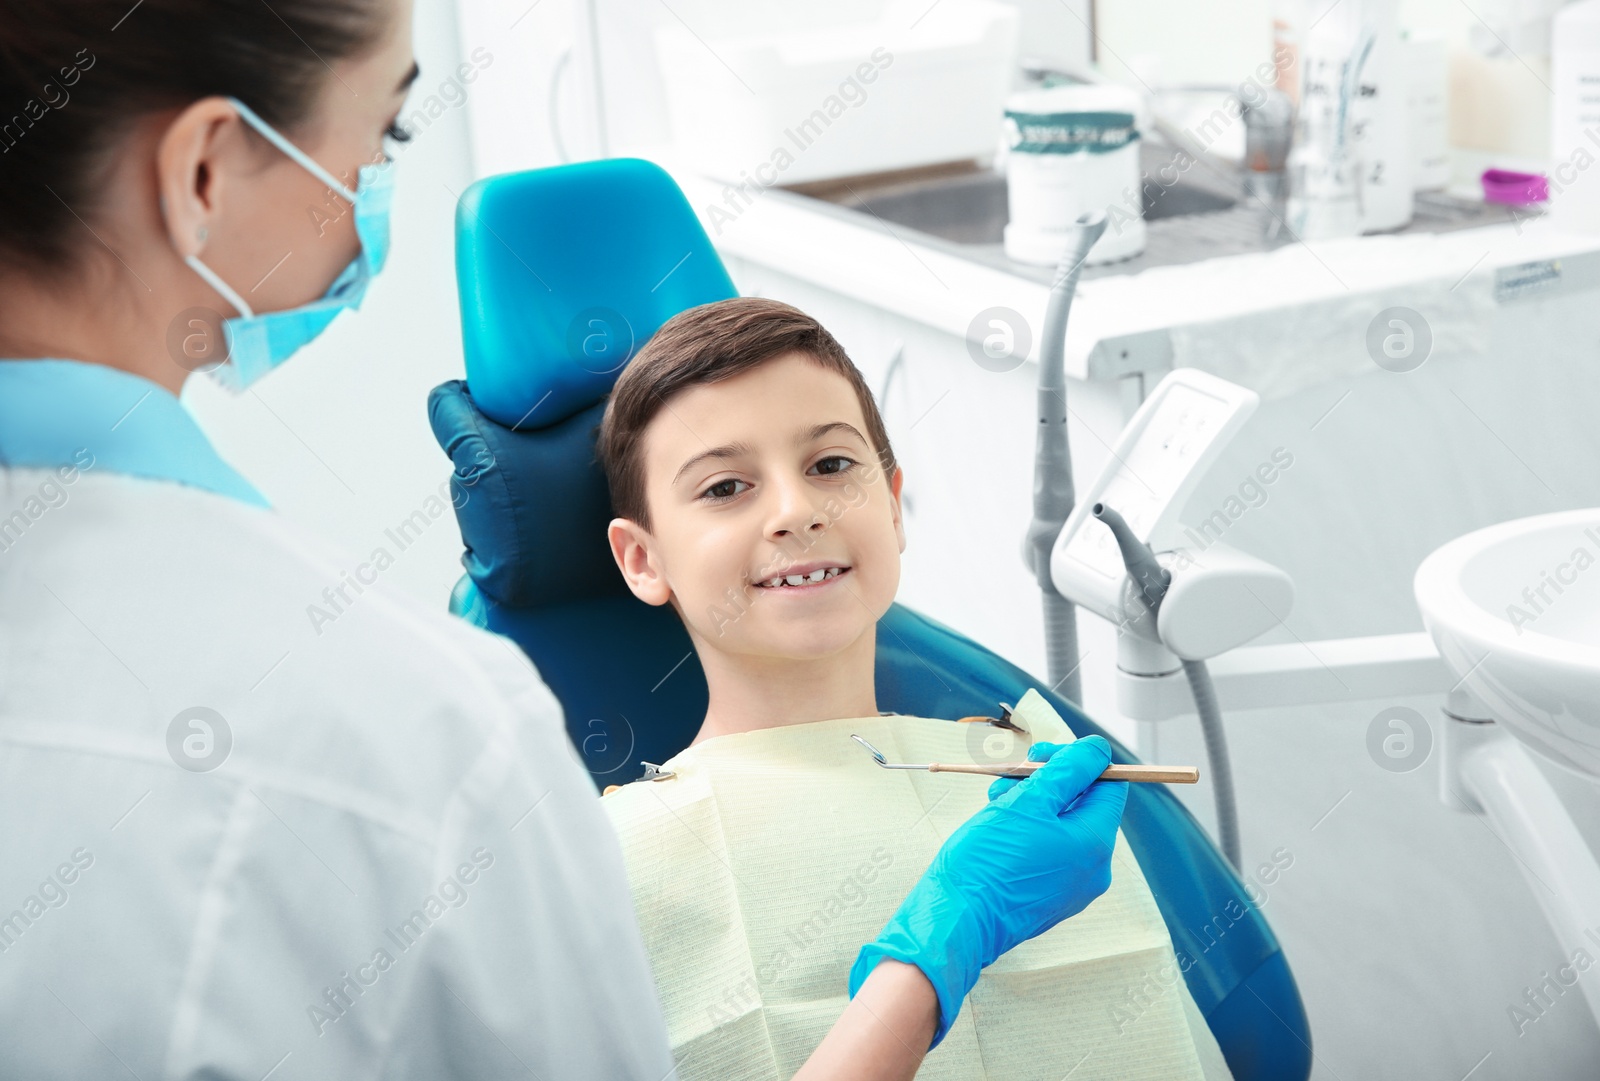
(895, 484)
(630, 547)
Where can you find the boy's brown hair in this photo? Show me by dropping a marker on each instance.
(707, 344)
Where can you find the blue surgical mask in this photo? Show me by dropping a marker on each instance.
(259, 343)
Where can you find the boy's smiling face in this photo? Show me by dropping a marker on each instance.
(766, 474)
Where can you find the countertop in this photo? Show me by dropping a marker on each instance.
(1274, 321)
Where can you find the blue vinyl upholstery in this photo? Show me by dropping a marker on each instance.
(564, 273)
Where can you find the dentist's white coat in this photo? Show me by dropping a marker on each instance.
(207, 913)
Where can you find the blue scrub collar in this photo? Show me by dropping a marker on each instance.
(56, 412)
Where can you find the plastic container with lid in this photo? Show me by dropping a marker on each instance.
(1070, 150)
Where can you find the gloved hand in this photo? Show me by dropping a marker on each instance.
(1038, 852)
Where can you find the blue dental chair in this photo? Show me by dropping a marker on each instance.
(564, 273)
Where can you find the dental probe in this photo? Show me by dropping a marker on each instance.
(1113, 772)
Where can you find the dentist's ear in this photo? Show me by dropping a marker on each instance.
(631, 548)
(895, 483)
(189, 179)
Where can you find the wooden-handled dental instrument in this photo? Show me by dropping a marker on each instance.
(1113, 772)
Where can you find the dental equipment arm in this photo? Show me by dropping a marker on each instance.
(1177, 597)
(1037, 853)
(1150, 582)
(1052, 471)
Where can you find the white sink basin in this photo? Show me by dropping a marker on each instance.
(1515, 611)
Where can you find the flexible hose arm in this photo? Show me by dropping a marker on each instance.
(1053, 494)
(1205, 702)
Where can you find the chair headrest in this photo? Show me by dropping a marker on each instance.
(532, 503)
(564, 273)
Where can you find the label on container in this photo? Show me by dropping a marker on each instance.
(1068, 133)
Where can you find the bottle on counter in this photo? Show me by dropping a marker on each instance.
(1351, 169)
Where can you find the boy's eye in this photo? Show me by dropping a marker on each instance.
(396, 132)
(722, 490)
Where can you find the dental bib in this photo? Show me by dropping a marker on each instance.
(761, 866)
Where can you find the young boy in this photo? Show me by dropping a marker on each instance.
(756, 492)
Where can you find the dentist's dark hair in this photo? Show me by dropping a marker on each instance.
(77, 75)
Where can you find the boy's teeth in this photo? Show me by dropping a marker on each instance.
(802, 579)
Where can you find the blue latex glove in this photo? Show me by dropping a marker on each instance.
(1038, 852)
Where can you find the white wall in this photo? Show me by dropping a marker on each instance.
(1169, 41)
(512, 124)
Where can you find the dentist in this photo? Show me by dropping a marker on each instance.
(233, 846)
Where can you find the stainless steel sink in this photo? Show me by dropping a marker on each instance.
(970, 207)
(1199, 215)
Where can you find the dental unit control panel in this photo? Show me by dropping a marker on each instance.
(1218, 597)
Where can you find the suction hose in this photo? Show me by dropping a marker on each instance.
(1151, 581)
(1205, 702)
(1053, 494)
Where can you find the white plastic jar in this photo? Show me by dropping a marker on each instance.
(1070, 150)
